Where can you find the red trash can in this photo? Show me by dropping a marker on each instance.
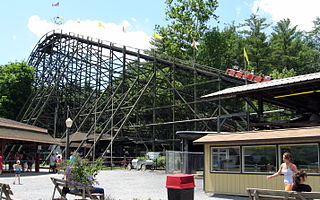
(180, 187)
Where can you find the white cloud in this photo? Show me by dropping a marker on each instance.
(238, 11)
(14, 37)
(134, 19)
(107, 31)
(301, 13)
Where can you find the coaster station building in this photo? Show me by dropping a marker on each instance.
(235, 161)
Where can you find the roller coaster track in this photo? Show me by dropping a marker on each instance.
(119, 91)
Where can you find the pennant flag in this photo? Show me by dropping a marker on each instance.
(246, 55)
(61, 18)
(55, 4)
(194, 44)
(58, 20)
(156, 35)
(100, 25)
(124, 30)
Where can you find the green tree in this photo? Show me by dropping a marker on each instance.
(15, 86)
(313, 42)
(314, 34)
(286, 46)
(222, 49)
(187, 22)
(256, 42)
(284, 73)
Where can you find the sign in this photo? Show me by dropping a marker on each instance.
(153, 155)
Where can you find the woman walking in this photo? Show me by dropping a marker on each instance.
(288, 169)
(17, 170)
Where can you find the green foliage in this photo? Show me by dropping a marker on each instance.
(221, 49)
(256, 42)
(286, 45)
(81, 172)
(284, 73)
(161, 162)
(141, 158)
(187, 22)
(15, 87)
(314, 34)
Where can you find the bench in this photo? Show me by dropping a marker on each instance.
(60, 184)
(6, 192)
(266, 194)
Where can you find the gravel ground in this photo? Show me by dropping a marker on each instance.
(118, 185)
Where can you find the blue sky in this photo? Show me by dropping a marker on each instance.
(24, 22)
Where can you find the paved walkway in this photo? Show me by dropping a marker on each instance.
(118, 184)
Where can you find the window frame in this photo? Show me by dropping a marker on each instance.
(300, 144)
(264, 145)
(223, 171)
(278, 157)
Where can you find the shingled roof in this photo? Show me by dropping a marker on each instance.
(18, 125)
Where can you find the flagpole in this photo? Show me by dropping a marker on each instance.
(246, 83)
(194, 81)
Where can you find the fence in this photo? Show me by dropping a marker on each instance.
(184, 162)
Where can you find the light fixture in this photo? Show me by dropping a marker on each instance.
(69, 122)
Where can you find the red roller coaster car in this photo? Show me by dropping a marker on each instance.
(247, 75)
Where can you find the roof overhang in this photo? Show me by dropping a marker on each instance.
(301, 93)
(291, 135)
(193, 135)
(79, 137)
(8, 123)
(26, 136)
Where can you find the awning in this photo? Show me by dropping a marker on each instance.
(301, 93)
(290, 135)
(25, 135)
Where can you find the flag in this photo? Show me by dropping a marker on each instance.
(55, 4)
(156, 35)
(194, 44)
(100, 25)
(124, 30)
(61, 18)
(246, 55)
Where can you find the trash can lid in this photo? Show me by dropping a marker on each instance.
(180, 181)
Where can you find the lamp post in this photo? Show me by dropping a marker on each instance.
(68, 125)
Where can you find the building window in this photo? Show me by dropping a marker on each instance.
(259, 158)
(305, 156)
(225, 159)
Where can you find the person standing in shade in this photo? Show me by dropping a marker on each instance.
(52, 163)
(17, 170)
(72, 157)
(1, 162)
(288, 169)
(58, 163)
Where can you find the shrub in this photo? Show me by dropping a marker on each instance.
(161, 162)
(81, 172)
